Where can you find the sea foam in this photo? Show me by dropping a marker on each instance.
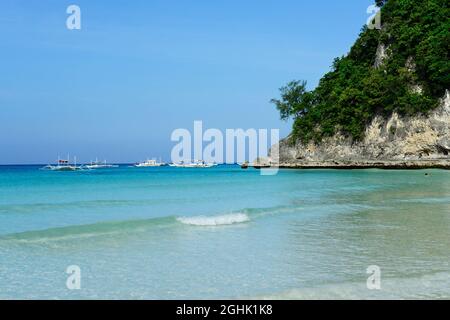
(225, 219)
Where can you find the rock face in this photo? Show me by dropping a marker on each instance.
(422, 141)
(381, 55)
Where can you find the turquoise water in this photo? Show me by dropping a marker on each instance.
(223, 232)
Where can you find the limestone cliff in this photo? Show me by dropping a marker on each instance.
(415, 141)
(385, 104)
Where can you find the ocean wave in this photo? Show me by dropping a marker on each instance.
(106, 228)
(130, 227)
(83, 204)
(124, 227)
(225, 219)
(425, 286)
(430, 200)
(118, 228)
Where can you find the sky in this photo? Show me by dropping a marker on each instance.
(137, 70)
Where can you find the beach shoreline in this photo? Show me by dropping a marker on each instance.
(366, 164)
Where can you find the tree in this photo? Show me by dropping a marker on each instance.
(295, 101)
(416, 37)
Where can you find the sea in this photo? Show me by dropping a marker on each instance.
(224, 233)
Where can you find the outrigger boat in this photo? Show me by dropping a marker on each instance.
(99, 165)
(149, 163)
(193, 164)
(63, 165)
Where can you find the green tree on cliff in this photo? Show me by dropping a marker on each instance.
(416, 38)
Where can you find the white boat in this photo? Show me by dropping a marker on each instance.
(149, 163)
(99, 165)
(193, 164)
(63, 165)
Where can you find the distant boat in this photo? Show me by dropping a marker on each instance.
(262, 163)
(63, 165)
(245, 165)
(149, 163)
(99, 165)
(193, 164)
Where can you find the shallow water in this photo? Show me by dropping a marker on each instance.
(223, 232)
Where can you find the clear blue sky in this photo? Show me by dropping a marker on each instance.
(139, 69)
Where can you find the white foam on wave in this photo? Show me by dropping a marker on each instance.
(225, 219)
